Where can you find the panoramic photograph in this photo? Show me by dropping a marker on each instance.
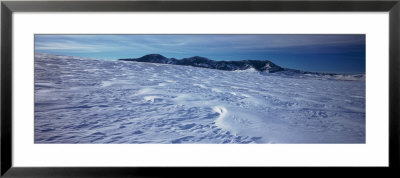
(199, 89)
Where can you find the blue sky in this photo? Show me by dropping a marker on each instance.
(318, 53)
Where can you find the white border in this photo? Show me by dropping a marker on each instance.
(373, 153)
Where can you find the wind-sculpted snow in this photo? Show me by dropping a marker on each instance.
(99, 101)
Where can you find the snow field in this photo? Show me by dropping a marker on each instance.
(97, 101)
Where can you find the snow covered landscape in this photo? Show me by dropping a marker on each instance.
(79, 100)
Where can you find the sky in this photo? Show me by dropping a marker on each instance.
(341, 53)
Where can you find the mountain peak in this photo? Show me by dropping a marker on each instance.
(153, 56)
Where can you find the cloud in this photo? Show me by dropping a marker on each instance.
(71, 46)
(191, 44)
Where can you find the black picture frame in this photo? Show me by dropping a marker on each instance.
(8, 7)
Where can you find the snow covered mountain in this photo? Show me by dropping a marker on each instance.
(197, 61)
(81, 100)
(262, 66)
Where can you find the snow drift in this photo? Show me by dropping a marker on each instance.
(98, 101)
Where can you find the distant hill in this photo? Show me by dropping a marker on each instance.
(262, 66)
(197, 61)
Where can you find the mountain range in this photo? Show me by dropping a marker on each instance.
(263, 66)
(197, 61)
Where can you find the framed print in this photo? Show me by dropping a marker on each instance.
(147, 88)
